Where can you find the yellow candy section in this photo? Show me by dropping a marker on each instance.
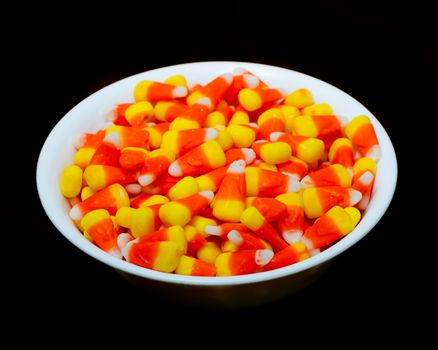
(243, 137)
(275, 152)
(176, 234)
(168, 257)
(71, 181)
(249, 99)
(252, 218)
(174, 213)
(184, 188)
(185, 265)
(141, 89)
(93, 217)
(318, 109)
(177, 80)
(299, 98)
(365, 164)
(355, 124)
(214, 153)
(208, 252)
(142, 222)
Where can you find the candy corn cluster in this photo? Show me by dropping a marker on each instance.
(228, 178)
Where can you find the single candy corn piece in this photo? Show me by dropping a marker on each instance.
(289, 112)
(341, 152)
(142, 222)
(181, 141)
(123, 239)
(319, 200)
(290, 255)
(116, 114)
(153, 91)
(156, 132)
(255, 221)
(224, 137)
(292, 224)
(161, 185)
(200, 223)
(300, 98)
(181, 211)
(132, 158)
(219, 117)
(125, 136)
(194, 118)
(147, 200)
(364, 170)
(332, 175)
(320, 126)
(294, 167)
(110, 198)
(229, 201)
(266, 183)
(100, 227)
(363, 136)
(190, 266)
(246, 154)
(71, 181)
(222, 230)
(195, 239)
(86, 145)
(241, 79)
(211, 180)
(177, 80)
(172, 234)
(333, 225)
(245, 241)
(317, 109)
(272, 152)
(270, 121)
(201, 159)
(309, 149)
(209, 252)
(105, 154)
(239, 117)
(185, 187)
(242, 135)
(156, 164)
(167, 111)
(254, 99)
(159, 256)
(242, 262)
(139, 113)
(270, 208)
(98, 177)
(210, 94)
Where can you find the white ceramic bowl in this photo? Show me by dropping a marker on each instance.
(252, 289)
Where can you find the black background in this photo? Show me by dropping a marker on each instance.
(383, 55)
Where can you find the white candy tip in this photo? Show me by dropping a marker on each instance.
(207, 194)
(133, 188)
(274, 136)
(292, 236)
(250, 155)
(375, 152)
(235, 237)
(307, 243)
(306, 182)
(236, 167)
(252, 125)
(355, 196)
(293, 185)
(123, 239)
(115, 252)
(263, 256)
(109, 114)
(350, 171)
(205, 101)
(113, 138)
(75, 213)
(366, 178)
(127, 248)
(251, 81)
(213, 230)
(239, 71)
(179, 91)
(228, 77)
(145, 180)
(211, 134)
(314, 252)
(283, 92)
(78, 141)
(175, 169)
(363, 204)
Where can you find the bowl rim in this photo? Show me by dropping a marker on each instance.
(346, 242)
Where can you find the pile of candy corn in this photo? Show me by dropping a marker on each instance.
(228, 178)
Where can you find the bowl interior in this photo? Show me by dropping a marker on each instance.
(87, 116)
